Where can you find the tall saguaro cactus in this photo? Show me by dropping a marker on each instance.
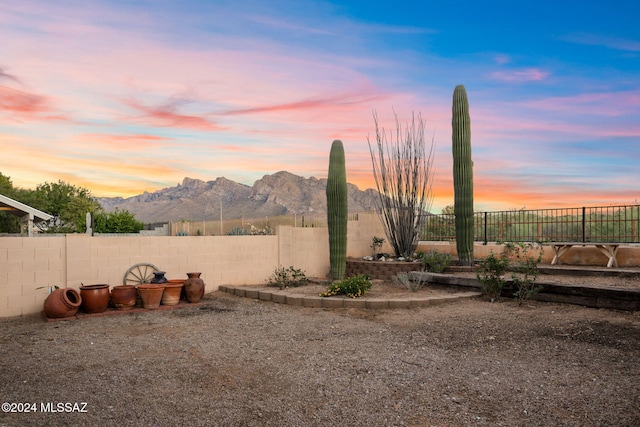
(462, 175)
(337, 211)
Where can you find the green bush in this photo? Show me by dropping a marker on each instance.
(490, 273)
(287, 277)
(435, 261)
(353, 287)
(525, 271)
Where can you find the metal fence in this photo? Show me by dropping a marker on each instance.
(602, 224)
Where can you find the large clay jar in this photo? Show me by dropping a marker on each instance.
(172, 291)
(151, 294)
(194, 287)
(123, 297)
(95, 298)
(62, 303)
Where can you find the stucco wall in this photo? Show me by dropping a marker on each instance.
(28, 266)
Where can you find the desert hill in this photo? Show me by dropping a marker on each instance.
(282, 193)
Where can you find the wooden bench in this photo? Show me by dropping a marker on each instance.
(610, 250)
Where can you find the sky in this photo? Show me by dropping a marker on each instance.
(123, 97)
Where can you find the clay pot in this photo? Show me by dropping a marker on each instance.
(172, 291)
(151, 294)
(123, 297)
(95, 298)
(159, 277)
(62, 303)
(194, 287)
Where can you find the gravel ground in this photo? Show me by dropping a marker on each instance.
(244, 362)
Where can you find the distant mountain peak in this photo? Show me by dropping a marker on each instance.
(281, 193)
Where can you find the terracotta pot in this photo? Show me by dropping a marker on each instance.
(172, 291)
(62, 303)
(151, 294)
(123, 297)
(95, 298)
(194, 287)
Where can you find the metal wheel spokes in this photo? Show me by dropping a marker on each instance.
(139, 273)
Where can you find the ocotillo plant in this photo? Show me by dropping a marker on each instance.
(462, 176)
(337, 211)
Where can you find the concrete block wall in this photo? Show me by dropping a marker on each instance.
(28, 266)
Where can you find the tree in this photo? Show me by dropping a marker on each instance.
(119, 221)
(67, 203)
(8, 223)
(402, 170)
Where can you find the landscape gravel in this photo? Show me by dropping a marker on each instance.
(244, 362)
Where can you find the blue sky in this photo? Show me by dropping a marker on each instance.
(123, 97)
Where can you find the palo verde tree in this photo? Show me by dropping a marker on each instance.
(402, 169)
(337, 211)
(462, 175)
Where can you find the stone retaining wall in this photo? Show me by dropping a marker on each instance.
(381, 270)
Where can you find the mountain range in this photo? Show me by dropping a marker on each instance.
(282, 193)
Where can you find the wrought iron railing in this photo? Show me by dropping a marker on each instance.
(606, 224)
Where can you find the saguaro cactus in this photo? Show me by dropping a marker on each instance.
(462, 176)
(337, 211)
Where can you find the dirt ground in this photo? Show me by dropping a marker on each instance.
(243, 362)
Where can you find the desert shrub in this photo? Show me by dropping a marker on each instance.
(376, 244)
(353, 287)
(435, 261)
(411, 285)
(525, 271)
(287, 277)
(490, 274)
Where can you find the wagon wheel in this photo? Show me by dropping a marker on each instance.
(139, 273)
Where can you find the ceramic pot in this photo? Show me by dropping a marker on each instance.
(151, 294)
(62, 303)
(194, 287)
(159, 277)
(123, 297)
(172, 291)
(95, 298)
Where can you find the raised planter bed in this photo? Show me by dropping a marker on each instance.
(380, 270)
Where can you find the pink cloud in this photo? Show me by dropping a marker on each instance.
(26, 106)
(318, 103)
(166, 116)
(520, 76)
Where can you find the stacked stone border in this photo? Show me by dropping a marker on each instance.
(290, 298)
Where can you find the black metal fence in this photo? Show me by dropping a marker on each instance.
(602, 224)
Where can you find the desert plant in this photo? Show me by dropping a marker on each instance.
(353, 287)
(435, 261)
(337, 211)
(462, 175)
(411, 284)
(402, 172)
(287, 277)
(490, 274)
(376, 244)
(525, 271)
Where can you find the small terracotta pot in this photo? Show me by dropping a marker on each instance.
(95, 298)
(62, 303)
(172, 291)
(151, 294)
(123, 297)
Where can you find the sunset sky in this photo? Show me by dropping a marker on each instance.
(123, 97)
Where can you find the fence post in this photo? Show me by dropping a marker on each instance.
(584, 225)
(486, 240)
